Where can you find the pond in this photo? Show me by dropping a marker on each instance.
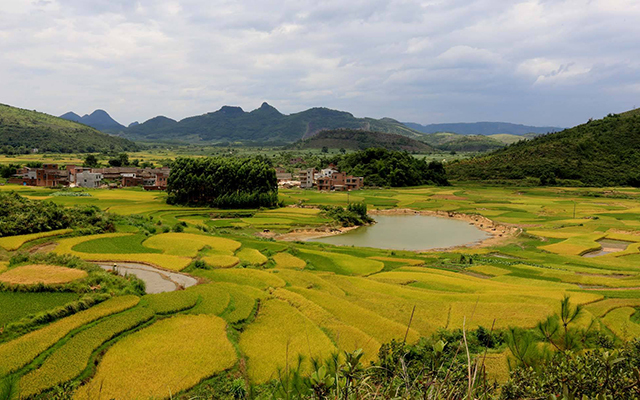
(156, 280)
(608, 246)
(409, 232)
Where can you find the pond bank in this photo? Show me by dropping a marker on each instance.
(498, 233)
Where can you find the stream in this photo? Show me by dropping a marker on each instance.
(156, 280)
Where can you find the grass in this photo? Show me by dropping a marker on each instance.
(241, 276)
(19, 352)
(39, 273)
(14, 306)
(68, 361)
(277, 337)
(159, 361)
(286, 260)
(12, 243)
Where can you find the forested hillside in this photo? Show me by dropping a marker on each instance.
(602, 152)
(265, 124)
(23, 130)
(351, 139)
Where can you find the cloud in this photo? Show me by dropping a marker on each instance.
(537, 62)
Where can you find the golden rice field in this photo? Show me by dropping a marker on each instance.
(11, 243)
(45, 274)
(264, 303)
(169, 356)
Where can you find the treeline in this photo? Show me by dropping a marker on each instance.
(381, 167)
(21, 216)
(603, 152)
(223, 182)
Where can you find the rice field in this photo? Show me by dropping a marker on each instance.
(71, 359)
(44, 274)
(279, 300)
(159, 361)
(11, 243)
(18, 352)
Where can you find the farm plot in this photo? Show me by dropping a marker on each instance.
(343, 264)
(19, 352)
(159, 361)
(11, 243)
(71, 359)
(45, 274)
(251, 256)
(14, 306)
(287, 260)
(277, 337)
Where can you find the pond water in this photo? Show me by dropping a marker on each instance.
(156, 280)
(409, 232)
(608, 246)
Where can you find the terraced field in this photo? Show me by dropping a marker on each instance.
(265, 303)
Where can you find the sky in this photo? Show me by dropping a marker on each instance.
(539, 62)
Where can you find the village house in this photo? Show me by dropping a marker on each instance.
(339, 181)
(307, 178)
(51, 175)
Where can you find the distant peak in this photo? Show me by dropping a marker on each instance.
(231, 110)
(266, 107)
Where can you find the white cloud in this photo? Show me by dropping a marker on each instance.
(431, 61)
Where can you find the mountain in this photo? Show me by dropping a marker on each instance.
(134, 123)
(23, 130)
(602, 152)
(98, 119)
(265, 124)
(482, 128)
(352, 139)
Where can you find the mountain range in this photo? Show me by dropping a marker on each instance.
(482, 128)
(98, 119)
(268, 125)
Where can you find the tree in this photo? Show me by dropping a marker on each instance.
(325, 149)
(91, 161)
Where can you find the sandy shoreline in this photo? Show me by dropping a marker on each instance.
(499, 233)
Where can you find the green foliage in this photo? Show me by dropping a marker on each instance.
(600, 372)
(22, 130)
(603, 152)
(381, 167)
(223, 182)
(20, 216)
(456, 142)
(354, 215)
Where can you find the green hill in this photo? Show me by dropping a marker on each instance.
(265, 124)
(23, 130)
(352, 139)
(603, 152)
(457, 142)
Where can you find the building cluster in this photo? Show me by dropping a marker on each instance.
(327, 179)
(50, 175)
